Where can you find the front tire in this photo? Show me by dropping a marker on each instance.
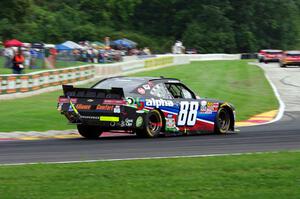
(222, 122)
(153, 125)
(89, 132)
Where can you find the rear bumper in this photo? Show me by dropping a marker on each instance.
(291, 63)
(110, 121)
(271, 59)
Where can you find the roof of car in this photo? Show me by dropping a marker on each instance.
(271, 50)
(143, 79)
(293, 52)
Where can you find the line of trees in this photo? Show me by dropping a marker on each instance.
(207, 25)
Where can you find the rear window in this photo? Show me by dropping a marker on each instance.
(293, 54)
(274, 53)
(128, 85)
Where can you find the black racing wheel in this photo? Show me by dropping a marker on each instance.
(222, 122)
(89, 132)
(153, 125)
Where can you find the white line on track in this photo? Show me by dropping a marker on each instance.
(145, 158)
(281, 103)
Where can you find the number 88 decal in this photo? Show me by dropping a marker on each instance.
(188, 113)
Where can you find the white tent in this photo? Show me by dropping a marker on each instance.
(72, 45)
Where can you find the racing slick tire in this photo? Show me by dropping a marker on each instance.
(153, 125)
(222, 122)
(89, 132)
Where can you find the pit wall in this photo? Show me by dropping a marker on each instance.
(18, 86)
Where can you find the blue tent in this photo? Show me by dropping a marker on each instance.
(124, 42)
(62, 47)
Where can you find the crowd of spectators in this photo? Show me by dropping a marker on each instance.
(35, 54)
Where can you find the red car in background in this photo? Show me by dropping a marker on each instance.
(269, 55)
(290, 58)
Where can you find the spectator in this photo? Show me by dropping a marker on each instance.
(18, 61)
(27, 57)
(9, 54)
(33, 55)
(52, 57)
(147, 51)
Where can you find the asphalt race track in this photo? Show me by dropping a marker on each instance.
(278, 136)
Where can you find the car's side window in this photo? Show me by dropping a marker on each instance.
(179, 91)
(159, 90)
(186, 94)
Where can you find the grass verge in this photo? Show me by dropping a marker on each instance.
(234, 81)
(269, 175)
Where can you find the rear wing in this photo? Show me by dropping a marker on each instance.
(113, 93)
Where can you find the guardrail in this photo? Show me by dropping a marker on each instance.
(15, 86)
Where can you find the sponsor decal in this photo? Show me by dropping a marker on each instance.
(117, 109)
(128, 122)
(66, 100)
(170, 116)
(212, 106)
(109, 119)
(139, 121)
(122, 124)
(141, 91)
(139, 103)
(140, 111)
(170, 123)
(146, 87)
(89, 117)
(158, 102)
(83, 107)
(114, 102)
(90, 100)
(70, 108)
(105, 107)
(150, 84)
(203, 106)
(130, 100)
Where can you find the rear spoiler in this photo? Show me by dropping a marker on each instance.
(113, 93)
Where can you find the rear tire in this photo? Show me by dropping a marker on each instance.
(89, 132)
(282, 65)
(222, 122)
(153, 125)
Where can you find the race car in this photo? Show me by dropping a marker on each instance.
(145, 106)
(269, 55)
(291, 58)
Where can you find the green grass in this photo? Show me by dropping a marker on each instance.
(234, 81)
(267, 176)
(59, 65)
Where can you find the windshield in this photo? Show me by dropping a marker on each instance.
(274, 53)
(293, 54)
(128, 85)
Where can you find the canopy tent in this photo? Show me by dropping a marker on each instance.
(98, 43)
(37, 45)
(62, 47)
(124, 43)
(72, 45)
(13, 42)
(129, 41)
